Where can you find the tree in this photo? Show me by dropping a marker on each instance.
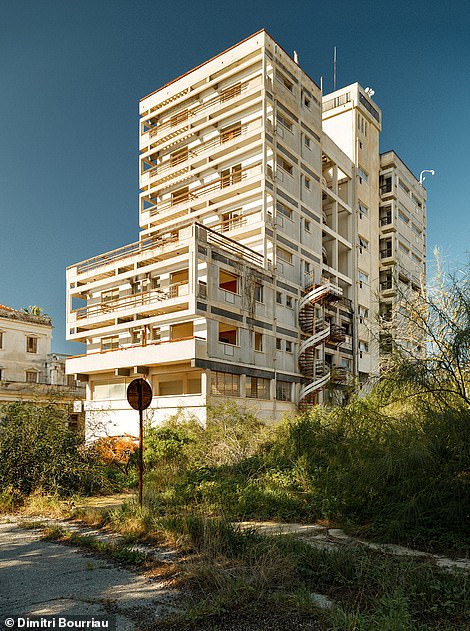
(429, 340)
(34, 310)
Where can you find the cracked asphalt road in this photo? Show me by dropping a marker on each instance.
(44, 578)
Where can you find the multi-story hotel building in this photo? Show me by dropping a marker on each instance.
(258, 273)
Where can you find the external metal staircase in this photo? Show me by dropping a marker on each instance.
(318, 331)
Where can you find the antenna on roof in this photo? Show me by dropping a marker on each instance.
(334, 69)
(296, 57)
(321, 85)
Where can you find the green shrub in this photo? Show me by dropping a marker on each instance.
(38, 451)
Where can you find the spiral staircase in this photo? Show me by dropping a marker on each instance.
(318, 331)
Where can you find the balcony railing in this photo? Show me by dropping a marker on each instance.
(386, 253)
(126, 251)
(386, 284)
(174, 290)
(386, 220)
(206, 189)
(185, 115)
(223, 138)
(238, 249)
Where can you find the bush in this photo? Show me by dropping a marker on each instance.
(38, 451)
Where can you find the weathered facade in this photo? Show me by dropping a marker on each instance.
(256, 273)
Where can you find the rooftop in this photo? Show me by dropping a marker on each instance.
(15, 314)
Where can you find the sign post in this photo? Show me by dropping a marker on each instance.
(139, 396)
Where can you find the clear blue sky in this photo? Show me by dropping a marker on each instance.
(72, 73)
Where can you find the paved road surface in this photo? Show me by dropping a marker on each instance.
(45, 578)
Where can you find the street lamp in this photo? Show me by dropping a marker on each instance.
(421, 178)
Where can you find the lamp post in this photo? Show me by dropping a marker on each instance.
(421, 178)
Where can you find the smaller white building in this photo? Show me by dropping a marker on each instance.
(28, 369)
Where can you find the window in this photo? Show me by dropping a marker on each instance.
(176, 119)
(258, 341)
(257, 388)
(225, 384)
(306, 102)
(385, 215)
(1, 374)
(284, 255)
(403, 187)
(285, 166)
(109, 295)
(230, 176)
(284, 210)
(230, 93)
(278, 344)
(182, 331)
(363, 210)
(363, 244)
(138, 336)
(259, 292)
(228, 281)
(363, 175)
(289, 302)
(284, 122)
(31, 344)
(307, 182)
(385, 184)
(385, 246)
(178, 156)
(228, 334)
(232, 220)
(155, 334)
(363, 347)
(109, 343)
(288, 346)
(403, 217)
(307, 141)
(180, 196)
(168, 388)
(363, 314)
(284, 80)
(105, 390)
(278, 297)
(231, 132)
(283, 391)
(31, 376)
(363, 279)
(307, 225)
(1, 339)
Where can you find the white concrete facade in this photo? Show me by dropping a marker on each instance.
(256, 272)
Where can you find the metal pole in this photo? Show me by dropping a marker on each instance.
(141, 446)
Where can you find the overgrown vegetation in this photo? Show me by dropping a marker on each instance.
(40, 455)
(394, 465)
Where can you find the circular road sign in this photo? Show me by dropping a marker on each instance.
(139, 394)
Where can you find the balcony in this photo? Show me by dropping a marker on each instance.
(132, 302)
(180, 163)
(126, 252)
(217, 189)
(154, 353)
(386, 253)
(184, 119)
